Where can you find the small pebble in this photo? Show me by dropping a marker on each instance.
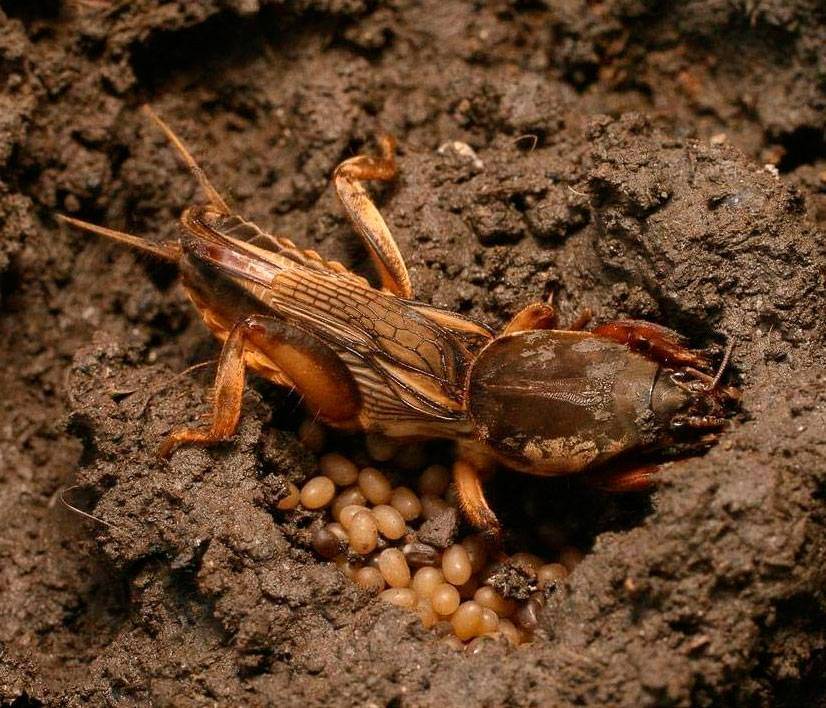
(400, 597)
(380, 448)
(291, 500)
(406, 502)
(369, 578)
(393, 567)
(445, 599)
(311, 434)
(441, 530)
(426, 580)
(390, 522)
(317, 493)
(363, 533)
(434, 481)
(466, 620)
(456, 565)
(339, 469)
(374, 486)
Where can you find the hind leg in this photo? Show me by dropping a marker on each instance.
(315, 370)
(365, 217)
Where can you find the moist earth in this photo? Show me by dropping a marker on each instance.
(647, 160)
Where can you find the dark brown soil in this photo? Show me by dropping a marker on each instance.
(621, 163)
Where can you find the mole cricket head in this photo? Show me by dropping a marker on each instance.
(688, 403)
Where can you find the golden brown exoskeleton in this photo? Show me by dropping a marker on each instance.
(533, 398)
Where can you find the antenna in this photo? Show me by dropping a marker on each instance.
(212, 195)
(715, 382)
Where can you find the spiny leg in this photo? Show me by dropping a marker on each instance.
(472, 499)
(211, 193)
(365, 217)
(317, 372)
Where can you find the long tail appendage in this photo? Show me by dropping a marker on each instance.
(167, 251)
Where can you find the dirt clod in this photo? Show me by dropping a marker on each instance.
(440, 530)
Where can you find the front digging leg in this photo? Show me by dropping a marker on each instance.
(652, 340)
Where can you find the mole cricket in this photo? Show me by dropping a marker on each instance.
(532, 398)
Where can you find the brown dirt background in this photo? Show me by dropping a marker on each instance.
(631, 201)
